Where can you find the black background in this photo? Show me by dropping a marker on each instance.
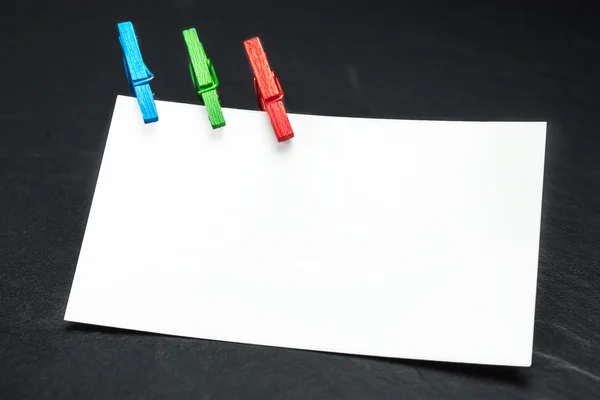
(503, 60)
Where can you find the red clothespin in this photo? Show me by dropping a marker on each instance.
(268, 90)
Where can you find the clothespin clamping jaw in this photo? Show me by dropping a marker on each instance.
(204, 78)
(138, 75)
(268, 90)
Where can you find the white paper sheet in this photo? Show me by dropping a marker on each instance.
(409, 239)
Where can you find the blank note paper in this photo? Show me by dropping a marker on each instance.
(408, 239)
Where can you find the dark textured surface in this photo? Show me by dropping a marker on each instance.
(61, 71)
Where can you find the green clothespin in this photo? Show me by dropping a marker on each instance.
(204, 78)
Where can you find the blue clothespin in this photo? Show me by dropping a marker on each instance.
(138, 76)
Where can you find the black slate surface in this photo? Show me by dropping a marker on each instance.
(502, 60)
